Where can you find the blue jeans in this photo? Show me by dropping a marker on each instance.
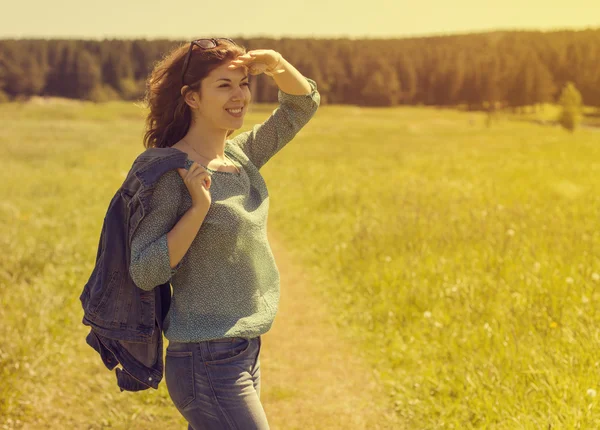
(215, 384)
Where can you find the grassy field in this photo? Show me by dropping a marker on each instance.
(464, 260)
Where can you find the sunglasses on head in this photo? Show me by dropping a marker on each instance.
(202, 44)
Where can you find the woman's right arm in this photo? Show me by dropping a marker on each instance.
(180, 238)
(162, 238)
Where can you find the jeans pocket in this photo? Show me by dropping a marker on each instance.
(179, 376)
(225, 352)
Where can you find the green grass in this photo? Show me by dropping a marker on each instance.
(463, 260)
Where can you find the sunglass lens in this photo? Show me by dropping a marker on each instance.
(229, 40)
(206, 43)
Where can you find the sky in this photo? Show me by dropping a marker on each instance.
(186, 20)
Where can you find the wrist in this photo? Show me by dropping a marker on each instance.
(198, 210)
(277, 68)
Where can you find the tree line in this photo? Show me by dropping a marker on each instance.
(500, 68)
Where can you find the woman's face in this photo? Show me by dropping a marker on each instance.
(222, 89)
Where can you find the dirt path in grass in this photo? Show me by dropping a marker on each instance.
(311, 378)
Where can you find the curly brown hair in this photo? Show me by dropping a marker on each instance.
(170, 116)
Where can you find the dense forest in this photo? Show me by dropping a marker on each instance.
(501, 68)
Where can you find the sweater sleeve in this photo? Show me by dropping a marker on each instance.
(150, 263)
(266, 139)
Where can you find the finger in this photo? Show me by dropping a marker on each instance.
(199, 171)
(199, 174)
(204, 177)
(243, 66)
(242, 57)
(258, 68)
(251, 56)
(257, 52)
(193, 167)
(241, 61)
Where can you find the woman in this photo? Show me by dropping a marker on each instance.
(206, 230)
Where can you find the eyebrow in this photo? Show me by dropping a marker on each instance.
(229, 80)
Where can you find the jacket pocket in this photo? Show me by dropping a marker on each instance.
(104, 288)
(106, 281)
(179, 376)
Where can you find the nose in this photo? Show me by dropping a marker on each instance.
(239, 94)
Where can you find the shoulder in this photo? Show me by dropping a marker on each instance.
(233, 147)
(168, 187)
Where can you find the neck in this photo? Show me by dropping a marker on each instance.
(207, 142)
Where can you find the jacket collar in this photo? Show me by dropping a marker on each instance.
(154, 162)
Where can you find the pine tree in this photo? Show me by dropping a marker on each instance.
(570, 100)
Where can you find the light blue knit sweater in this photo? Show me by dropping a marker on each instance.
(227, 284)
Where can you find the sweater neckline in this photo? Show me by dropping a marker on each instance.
(233, 160)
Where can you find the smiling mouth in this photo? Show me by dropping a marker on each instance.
(236, 112)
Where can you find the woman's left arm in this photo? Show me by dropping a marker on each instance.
(287, 77)
(291, 80)
(298, 99)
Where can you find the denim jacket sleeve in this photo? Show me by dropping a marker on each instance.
(266, 139)
(150, 263)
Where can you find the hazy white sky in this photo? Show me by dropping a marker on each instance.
(184, 19)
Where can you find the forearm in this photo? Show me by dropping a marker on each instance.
(181, 236)
(291, 80)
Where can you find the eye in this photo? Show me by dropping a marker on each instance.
(226, 85)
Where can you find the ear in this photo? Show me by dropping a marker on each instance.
(190, 99)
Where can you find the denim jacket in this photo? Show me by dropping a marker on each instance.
(127, 322)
